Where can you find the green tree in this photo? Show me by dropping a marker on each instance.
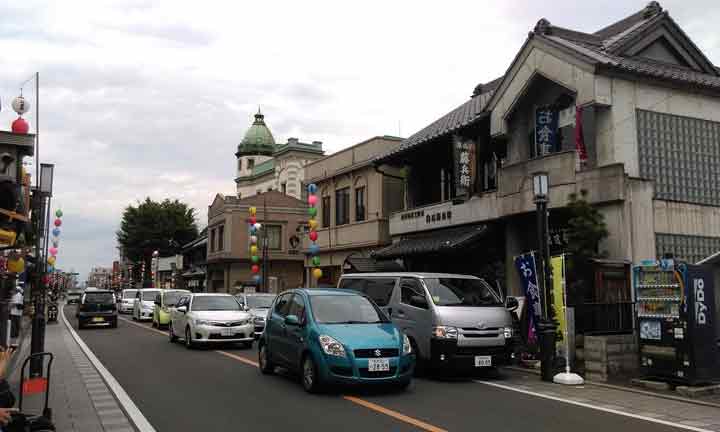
(155, 226)
(586, 227)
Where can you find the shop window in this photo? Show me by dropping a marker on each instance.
(326, 211)
(342, 206)
(489, 174)
(221, 238)
(274, 236)
(360, 204)
(250, 164)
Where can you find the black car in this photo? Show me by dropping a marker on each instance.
(97, 307)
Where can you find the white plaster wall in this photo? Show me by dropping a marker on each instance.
(247, 189)
(245, 171)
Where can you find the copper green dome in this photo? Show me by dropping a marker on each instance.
(258, 139)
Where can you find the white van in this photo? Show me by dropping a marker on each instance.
(453, 321)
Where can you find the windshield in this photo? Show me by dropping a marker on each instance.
(337, 309)
(129, 293)
(257, 302)
(461, 292)
(171, 298)
(215, 303)
(149, 295)
(101, 297)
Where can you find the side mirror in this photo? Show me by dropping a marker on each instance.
(511, 303)
(182, 309)
(418, 301)
(292, 320)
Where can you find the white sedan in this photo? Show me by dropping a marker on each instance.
(210, 318)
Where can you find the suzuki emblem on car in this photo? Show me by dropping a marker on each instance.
(378, 353)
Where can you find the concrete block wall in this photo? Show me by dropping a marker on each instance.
(609, 355)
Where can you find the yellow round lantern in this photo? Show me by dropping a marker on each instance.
(317, 273)
(253, 250)
(253, 211)
(16, 265)
(312, 224)
(51, 260)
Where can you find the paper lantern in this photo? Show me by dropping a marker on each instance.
(51, 260)
(317, 273)
(314, 249)
(16, 265)
(20, 105)
(255, 259)
(255, 268)
(253, 231)
(253, 250)
(51, 269)
(253, 211)
(253, 239)
(312, 200)
(252, 220)
(59, 213)
(313, 235)
(257, 226)
(56, 232)
(257, 279)
(58, 222)
(20, 126)
(53, 251)
(312, 188)
(312, 211)
(312, 224)
(46, 279)
(316, 261)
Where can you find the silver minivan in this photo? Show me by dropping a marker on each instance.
(453, 321)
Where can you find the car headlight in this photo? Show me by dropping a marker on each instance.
(508, 332)
(444, 332)
(331, 346)
(407, 348)
(203, 322)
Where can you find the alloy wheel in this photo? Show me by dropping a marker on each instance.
(308, 374)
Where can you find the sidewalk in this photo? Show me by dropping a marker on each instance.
(79, 398)
(611, 398)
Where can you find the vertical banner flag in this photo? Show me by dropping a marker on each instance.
(558, 272)
(527, 269)
(546, 130)
(464, 157)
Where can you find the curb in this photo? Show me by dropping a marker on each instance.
(627, 389)
(132, 411)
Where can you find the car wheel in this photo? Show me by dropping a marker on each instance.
(171, 334)
(247, 345)
(420, 363)
(310, 378)
(153, 325)
(266, 366)
(114, 323)
(188, 338)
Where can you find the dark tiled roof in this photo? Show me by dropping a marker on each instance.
(359, 264)
(447, 240)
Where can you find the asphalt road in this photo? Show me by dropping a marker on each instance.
(222, 389)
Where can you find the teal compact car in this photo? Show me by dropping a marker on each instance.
(331, 336)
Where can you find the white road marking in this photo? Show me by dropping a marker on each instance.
(595, 407)
(128, 405)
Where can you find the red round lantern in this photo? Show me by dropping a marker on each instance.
(252, 220)
(313, 235)
(46, 280)
(20, 126)
(255, 268)
(58, 222)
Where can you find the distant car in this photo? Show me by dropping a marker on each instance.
(165, 301)
(73, 297)
(97, 307)
(334, 336)
(144, 304)
(127, 300)
(210, 318)
(258, 304)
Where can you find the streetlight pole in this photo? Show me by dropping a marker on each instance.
(546, 327)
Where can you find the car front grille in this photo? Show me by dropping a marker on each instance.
(228, 324)
(382, 374)
(373, 352)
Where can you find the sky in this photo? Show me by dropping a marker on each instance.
(150, 98)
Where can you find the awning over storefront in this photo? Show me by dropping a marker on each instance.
(441, 241)
(361, 264)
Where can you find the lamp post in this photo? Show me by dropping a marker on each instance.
(546, 326)
(154, 267)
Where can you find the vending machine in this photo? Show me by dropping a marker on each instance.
(674, 305)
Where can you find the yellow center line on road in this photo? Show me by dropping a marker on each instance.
(362, 402)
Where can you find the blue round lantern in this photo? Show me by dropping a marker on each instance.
(56, 232)
(314, 249)
(253, 230)
(257, 279)
(312, 188)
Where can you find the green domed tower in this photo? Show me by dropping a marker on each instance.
(258, 139)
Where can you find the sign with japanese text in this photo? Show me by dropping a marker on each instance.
(464, 157)
(546, 130)
(527, 270)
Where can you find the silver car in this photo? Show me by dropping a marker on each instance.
(258, 305)
(210, 318)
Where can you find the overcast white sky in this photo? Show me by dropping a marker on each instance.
(150, 98)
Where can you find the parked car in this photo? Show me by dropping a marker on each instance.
(332, 336)
(127, 300)
(165, 300)
(258, 304)
(144, 303)
(453, 321)
(97, 307)
(210, 318)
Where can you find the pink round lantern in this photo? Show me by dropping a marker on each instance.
(312, 200)
(313, 235)
(58, 222)
(53, 251)
(252, 220)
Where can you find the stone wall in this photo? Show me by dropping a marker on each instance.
(609, 355)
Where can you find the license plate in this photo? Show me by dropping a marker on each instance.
(378, 365)
(98, 319)
(483, 361)
(227, 332)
